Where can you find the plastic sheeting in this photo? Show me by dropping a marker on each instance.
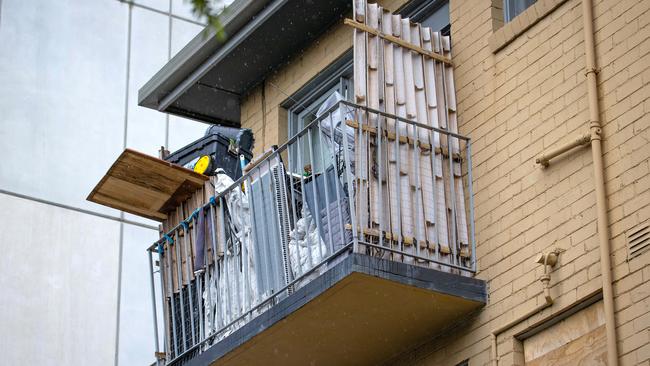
(304, 244)
(336, 124)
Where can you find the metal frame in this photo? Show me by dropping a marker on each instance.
(271, 267)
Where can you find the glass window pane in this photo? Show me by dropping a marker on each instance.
(439, 19)
(512, 8)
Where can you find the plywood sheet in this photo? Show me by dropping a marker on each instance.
(145, 186)
(577, 340)
(588, 349)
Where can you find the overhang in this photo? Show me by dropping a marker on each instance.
(207, 78)
(362, 311)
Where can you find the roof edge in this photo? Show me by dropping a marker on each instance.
(204, 44)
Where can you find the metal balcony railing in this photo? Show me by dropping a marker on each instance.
(354, 180)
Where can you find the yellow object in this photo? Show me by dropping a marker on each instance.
(202, 164)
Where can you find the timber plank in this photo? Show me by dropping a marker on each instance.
(145, 185)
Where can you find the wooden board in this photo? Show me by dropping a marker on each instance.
(572, 340)
(588, 349)
(146, 186)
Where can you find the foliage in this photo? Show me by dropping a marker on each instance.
(210, 11)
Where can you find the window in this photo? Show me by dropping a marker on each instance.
(512, 8)
(432, 14)
(303, 107)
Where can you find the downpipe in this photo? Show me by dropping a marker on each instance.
(599, 181)
(594, 138)
(548, 260)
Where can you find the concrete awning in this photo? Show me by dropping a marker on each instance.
(207, 78)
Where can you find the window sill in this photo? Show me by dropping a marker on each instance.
(516, 27)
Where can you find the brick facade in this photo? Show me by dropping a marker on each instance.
(516, 101)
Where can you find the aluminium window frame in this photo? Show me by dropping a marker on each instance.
(509, 10)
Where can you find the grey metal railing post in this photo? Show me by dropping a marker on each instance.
(336, 170)
(293, 204)
(165, 308)
(226, 266)
(454, 248)
(190, 297)
(245, 259)
(327, 188)
(314, 190)
(170, 285)
(179, 272)
(471, 202)
(153, 306)
(215, 256)
(398, 186)
(302, 192)
(351, 193)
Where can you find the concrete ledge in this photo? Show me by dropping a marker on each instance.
(470, 293)
(521, 23)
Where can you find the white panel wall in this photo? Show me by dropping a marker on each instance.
(68, 100)
(61, 96)
(59, 285)
(136, 322)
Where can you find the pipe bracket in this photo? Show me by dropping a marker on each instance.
(592, 70)
(595, 131)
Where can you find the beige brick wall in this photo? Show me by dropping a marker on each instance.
(528, 97)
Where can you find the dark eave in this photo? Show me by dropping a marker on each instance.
(207, 78)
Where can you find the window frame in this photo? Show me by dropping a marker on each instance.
(509, 9)
(338, 76)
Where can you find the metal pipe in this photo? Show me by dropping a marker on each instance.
(165, 309)
(496, 332)
(548, 301)
(471, 204)
(545, 158)
(153, 307)
(599, 181)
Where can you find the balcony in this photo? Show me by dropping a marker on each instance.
(349, 244)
